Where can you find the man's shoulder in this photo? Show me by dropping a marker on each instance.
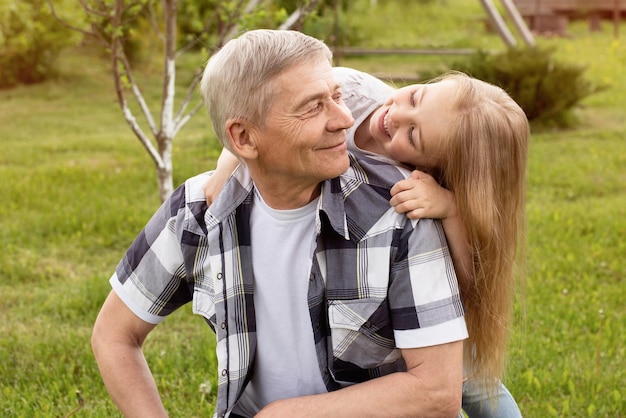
(189, 194)
(186, 205)
(374, 172)
(194, 186)
(359, 199)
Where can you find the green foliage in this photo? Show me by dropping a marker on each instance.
(547, 89)
(270, 16)
(30, 41)
(196, 16)
(333, 26)
(130, 27)
(198, 19)
(137, 46)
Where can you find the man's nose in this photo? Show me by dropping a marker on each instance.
(340, 117)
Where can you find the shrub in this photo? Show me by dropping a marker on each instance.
(323, 25)
(547, 90)
(30, 41)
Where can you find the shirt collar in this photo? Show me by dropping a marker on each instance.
(237, 189)
(334, 192)
(332, 204)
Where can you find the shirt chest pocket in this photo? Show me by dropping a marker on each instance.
(204, 300)
(361, 333)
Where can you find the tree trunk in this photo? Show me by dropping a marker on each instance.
(165, 169)
(166, 132)
(115, 18)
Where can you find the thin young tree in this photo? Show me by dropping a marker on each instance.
(109, 22)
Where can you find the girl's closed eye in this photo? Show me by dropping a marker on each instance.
(411, 141)
(412, 97)
(412, 100)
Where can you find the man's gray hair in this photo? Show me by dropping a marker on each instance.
(237, 80)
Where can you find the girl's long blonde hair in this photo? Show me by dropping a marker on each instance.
(485, 167)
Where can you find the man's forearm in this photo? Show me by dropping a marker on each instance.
(396, 395)
(128, 380)
(432, 389)
(117, 338)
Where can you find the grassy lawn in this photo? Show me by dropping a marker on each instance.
(77, 187)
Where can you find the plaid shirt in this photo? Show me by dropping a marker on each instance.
(375, 275)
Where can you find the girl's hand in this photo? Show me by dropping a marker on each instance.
(420, 196)
(213, 187)
(226, 164)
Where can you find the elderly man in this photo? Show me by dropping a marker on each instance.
(324, 301)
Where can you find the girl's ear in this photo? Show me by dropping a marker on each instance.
(241, 139)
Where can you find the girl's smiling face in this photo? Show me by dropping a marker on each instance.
(410, 126)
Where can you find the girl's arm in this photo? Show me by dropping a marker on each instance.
(420, 196)
(226, 164)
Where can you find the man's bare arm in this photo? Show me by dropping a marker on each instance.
(432, 387)
(117, 339)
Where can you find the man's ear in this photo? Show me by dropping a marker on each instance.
(240, 135)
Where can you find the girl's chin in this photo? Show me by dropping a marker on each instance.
(381, 139)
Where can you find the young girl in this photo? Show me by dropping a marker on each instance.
(470, 141)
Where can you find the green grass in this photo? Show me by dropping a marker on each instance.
(77, 187)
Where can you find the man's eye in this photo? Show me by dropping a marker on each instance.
(412, 97)
(314, 107)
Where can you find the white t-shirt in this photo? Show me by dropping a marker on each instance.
(285, 363)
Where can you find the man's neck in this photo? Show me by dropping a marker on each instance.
(285, 198)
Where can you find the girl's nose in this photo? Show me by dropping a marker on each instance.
(398, 115)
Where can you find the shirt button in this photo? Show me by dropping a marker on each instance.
(219, 276)
(223, 325)
(318, 326)
(312, 278)
(224, 372)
